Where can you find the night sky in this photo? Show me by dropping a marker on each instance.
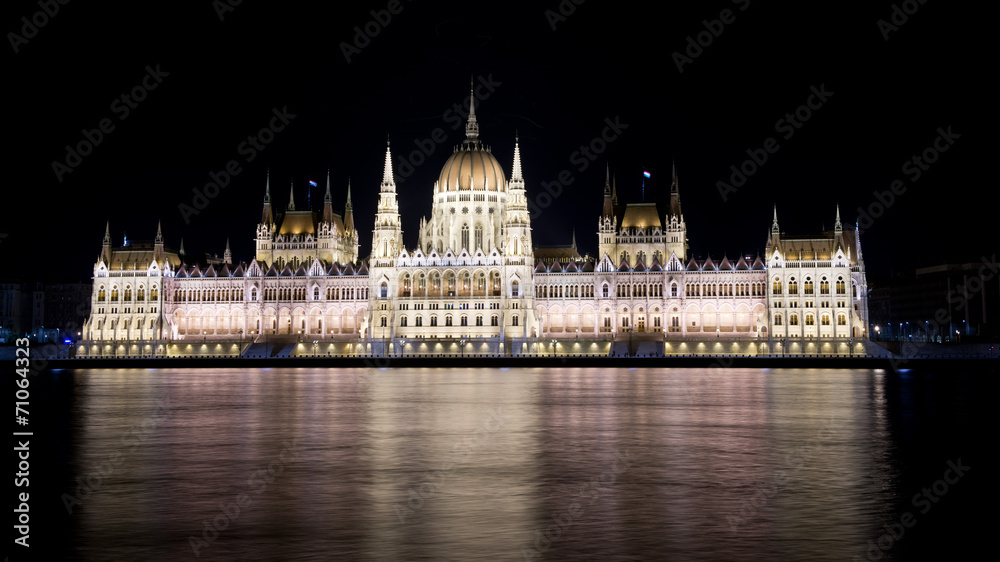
(221, 79)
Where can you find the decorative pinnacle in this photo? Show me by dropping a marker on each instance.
(387, 180)
(516, 176)
(291, 197)
(327, 198)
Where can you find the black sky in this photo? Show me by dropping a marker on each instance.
(556, 89)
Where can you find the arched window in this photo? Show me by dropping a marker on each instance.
(100, 294)
(810, 320)
(793, 320)
(777, 319)
(465, 236)
(513, 289)
(824, 287)
(841, 288)
(140, 294)
(479, 320)
(479, 236)
(776, 287)
(809, 285)
(384, 290)
(447, 320)
(451, 283)
(825, 320)
(604, 290)
(841, 319)
(793, 286)
(114, 293)
(513, 320)
(673, 289)
(402, 321)
(465, 320)
(315, 293)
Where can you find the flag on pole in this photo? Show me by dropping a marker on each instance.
(646, 174)
(313, 183)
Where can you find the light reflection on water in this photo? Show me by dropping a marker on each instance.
(483, 464)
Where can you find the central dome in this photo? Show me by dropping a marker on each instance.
(472, 167)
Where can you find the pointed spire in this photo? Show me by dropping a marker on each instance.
(107, 233)
(516, 176)
(266, 216)
(608, 209)
(180, 252)
(574, 239)
(348, 212)
(159, 234)
(291, 197)
(472, 126)
(774, 225)
(388, 183)
(227, 256)
(836, 224)
(673, 180)
(328, 201)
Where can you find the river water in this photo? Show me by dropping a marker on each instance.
(510, 464)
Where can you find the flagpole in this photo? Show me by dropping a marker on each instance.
(643, 183)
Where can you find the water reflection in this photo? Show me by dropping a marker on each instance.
(484, 464)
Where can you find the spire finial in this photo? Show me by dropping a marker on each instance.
(107, 232)
(774, 224)
(327, 198)
(348, 193)
(159, 233)
(267, 187)
(836, 223)
(291, 196)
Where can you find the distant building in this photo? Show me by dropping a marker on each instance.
(941, 303)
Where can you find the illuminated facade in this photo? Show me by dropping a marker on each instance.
(476, 275)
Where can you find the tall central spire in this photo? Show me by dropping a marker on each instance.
(472, 127)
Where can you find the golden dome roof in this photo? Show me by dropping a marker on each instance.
(471, 168)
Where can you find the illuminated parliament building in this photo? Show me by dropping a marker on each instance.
(476, 283)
